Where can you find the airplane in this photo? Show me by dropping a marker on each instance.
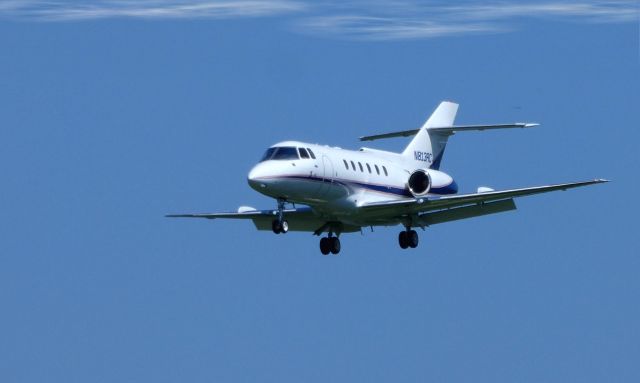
(344, 191)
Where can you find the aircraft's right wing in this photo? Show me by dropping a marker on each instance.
(463, 206)
(299, 218)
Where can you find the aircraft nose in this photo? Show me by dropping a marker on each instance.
(255, 178)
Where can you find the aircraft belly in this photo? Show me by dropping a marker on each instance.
(303, 190)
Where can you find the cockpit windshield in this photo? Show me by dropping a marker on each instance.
(285, 153)
(281, 153)
(268, 154)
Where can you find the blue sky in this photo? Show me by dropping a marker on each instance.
(115, 113)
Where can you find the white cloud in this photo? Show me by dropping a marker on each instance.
(592, 11)
(351, 19)
(418, 20)
(60, 10)
(389, 28)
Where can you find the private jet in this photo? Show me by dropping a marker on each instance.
(323, 189)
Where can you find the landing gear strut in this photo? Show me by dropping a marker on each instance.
(408, 238)
(280, 225)
(329, 245)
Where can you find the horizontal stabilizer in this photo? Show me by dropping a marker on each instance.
(448, 130)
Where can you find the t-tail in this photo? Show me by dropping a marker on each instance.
(428, 145)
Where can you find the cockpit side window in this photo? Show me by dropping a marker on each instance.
(285, 153)
(268, 154)
(311, 153)
(303, 153)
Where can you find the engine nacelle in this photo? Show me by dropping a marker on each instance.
(419, 183)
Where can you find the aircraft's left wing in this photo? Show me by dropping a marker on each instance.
(420, 206)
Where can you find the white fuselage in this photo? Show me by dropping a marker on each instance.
(337, 181)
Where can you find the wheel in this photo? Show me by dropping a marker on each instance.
(334, 245)
(276, 227)
(284, 227)
(413, 239)
(403, 239)
(325, 246)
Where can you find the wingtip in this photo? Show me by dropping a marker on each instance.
(531, 124)
(601, 180)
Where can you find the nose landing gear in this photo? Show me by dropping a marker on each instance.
(408, 238)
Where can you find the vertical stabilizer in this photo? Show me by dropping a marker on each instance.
(427, 148)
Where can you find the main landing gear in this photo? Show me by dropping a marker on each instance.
(408, 238)
(280, 225)
(329, 245)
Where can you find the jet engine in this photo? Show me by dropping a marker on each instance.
(419, 182)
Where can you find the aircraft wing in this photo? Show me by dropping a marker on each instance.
(299, 219)
(442, 209)
(248, 214)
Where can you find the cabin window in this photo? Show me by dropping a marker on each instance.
(385, 170)
(377, 169)
(303, 153)
(369, 168)
(311, 153)
(285, 153)
(346, 165)
(361, 168)
(353, 166)
(268, 154)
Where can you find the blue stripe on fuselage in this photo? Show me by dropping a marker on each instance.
(452, 188)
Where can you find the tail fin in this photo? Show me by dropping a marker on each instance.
(427, 147)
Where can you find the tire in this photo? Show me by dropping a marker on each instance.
(284, 227)
(335, 246)
(403, 239)
(324, 246)
(275, 226)
(413, 239)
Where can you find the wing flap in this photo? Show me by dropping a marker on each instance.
(458, 213)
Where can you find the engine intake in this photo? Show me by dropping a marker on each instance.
(419, 183)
